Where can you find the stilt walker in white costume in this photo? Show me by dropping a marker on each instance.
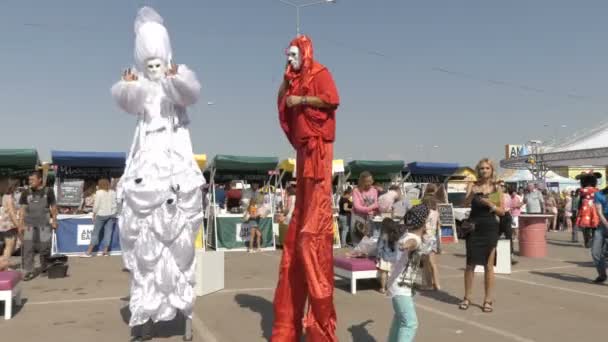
(160, 191)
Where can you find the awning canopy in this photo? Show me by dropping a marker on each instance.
(88, 159)
(18, 161)
(380, 169)
(288, 165)
(423, 172)
(201, 160)
(75, 164)
(229, 167)
(245, 164)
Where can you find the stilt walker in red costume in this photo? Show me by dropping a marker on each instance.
(307, 102)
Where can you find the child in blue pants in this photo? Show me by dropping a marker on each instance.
(403, 275)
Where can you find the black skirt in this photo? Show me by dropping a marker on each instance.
(483, 240)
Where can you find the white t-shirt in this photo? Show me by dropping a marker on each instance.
(105, 203)
(399, 264)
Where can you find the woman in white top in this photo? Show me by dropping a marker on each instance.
(104, 216)
(403, 274)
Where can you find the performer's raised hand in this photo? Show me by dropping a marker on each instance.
(293, 100)
(129, 76)
(173, 70)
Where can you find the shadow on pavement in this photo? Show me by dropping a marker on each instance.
(441, 296)
(564, 244)
(176, 327)
(359, 332)
(582, 263)
(261, 306)
(362, 285)
(564, 277)
(16, 309)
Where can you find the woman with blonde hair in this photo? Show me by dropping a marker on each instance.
(485, 198)
(365, 204)
(104, 216)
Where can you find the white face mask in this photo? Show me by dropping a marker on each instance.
(294, 58)
(155, 69)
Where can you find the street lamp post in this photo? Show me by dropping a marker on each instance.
(298, 6)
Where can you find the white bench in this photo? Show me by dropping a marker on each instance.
(355, 269)
(10, 288)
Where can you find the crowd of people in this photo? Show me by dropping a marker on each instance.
(404, 243)
(403, 236)
(28, 217)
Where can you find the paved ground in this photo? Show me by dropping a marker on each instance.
(543, 300)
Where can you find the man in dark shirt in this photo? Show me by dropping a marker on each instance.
(38, 217)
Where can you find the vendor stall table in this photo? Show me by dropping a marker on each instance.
(233, 235)
(73, 235)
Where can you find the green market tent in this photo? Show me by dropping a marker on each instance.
(18, 162)
(227, 167)
(381, 170)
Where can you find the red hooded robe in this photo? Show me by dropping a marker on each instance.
(306, 270)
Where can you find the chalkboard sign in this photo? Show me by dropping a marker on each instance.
(447, 223)
(446, 214)
(69, 192)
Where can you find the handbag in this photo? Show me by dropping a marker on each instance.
(360, 225)
(466, 228)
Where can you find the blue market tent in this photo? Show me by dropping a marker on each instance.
(423, 172)
(440, 169)
(88, 164)
(89, 159)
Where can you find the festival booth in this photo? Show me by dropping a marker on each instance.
(287, 170)
(423, 174)
(73, 170)
(226, 231)
(383, 171)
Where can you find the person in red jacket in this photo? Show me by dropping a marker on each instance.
(307, 103)
(587, 217)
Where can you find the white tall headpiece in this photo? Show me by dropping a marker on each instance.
(151, 38)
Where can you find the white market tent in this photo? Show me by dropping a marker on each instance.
(515, 176)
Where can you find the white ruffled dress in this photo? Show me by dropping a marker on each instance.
(160, 196)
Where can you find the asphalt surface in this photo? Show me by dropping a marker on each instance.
(549, 299)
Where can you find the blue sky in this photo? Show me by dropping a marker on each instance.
(61, 57)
